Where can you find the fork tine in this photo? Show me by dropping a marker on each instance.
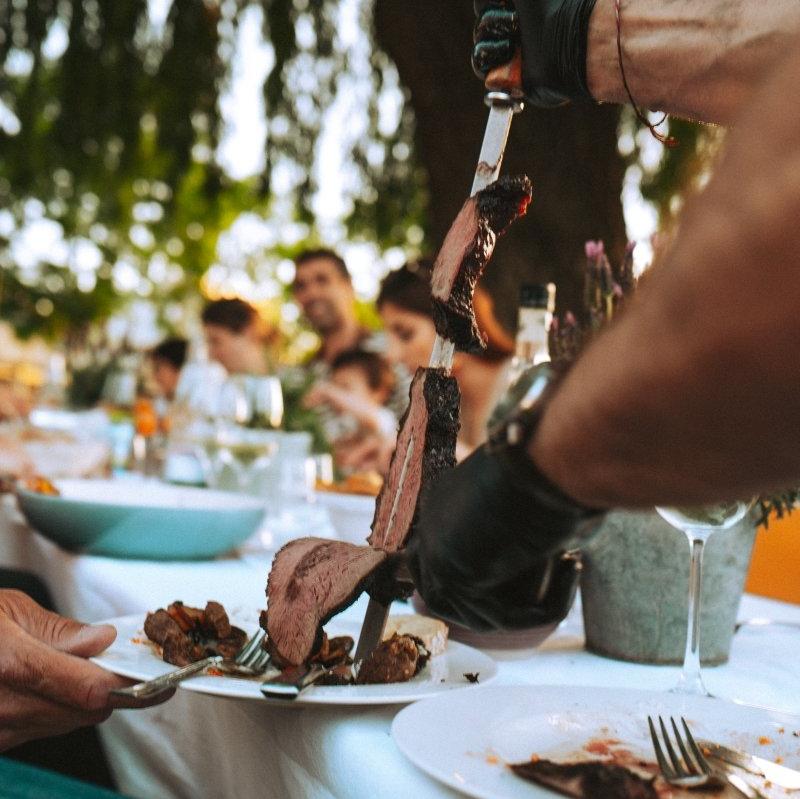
(696, 751)
(260, 661)
(694, 768)
(666, 769)
(679, 768)
(250, 648)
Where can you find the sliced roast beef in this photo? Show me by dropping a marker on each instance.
(431, 423)
(590, 780)
(466, 250)
(311, 580)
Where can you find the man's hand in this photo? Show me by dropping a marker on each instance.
(488, 546)
(552, 35)
(47, 687)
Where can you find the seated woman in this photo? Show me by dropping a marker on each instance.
(237, 337)
(404, 304)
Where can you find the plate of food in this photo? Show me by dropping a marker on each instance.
(142, 643)
(139, 519)
(511, 742)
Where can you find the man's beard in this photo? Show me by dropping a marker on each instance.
(325, 317)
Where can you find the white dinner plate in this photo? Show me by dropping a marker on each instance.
(132, 655)
(465, 740)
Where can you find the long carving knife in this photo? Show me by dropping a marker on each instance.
(502, 107)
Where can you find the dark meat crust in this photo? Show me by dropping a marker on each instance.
(311, 580)
(396, 660)
(438, 428)
(592, 780)
(466, 251)
(187, 634)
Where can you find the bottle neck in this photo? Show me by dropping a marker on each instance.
(531, 341)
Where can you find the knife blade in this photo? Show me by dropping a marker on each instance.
(782, 776)
(502, 107)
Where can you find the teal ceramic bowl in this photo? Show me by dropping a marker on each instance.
(142, 519)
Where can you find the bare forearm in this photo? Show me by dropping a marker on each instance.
(696, 60)
(692, 396)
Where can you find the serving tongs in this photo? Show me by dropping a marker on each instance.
(503, 101)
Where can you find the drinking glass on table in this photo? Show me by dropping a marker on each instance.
(699, 524)
(242, 446)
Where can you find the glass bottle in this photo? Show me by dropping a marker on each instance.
(536, 306)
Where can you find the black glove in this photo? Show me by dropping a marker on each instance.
(487, 549)
(552, 34)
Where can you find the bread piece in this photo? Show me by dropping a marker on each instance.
(432, 632)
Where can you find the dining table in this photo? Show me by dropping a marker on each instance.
(198, 745)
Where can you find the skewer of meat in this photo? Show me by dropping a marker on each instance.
(311, 580)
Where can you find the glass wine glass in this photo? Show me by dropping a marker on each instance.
(265, 396)
(250, 408)
(699, 524)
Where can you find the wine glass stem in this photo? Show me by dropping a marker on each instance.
(691, 680)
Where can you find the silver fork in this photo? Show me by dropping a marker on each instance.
(691, 769)
(251, 660)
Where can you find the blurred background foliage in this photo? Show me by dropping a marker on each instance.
(114, 185)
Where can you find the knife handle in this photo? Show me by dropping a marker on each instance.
(290, 683)
(507, 78)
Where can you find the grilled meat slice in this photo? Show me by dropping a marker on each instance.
(215, 622)
(431, 420)
(311, 580)
(177, 647)
(467, 249)
(187, 634)
(592, 780)
(397, 659)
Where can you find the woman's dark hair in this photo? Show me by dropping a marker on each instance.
(409, 288)
(374, 367)
(171, 350)
(233, 314)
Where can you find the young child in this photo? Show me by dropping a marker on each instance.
(360, 383)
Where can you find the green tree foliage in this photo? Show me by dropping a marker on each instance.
(109, 127)
(110, 123)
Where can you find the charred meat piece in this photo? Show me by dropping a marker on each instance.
(398, 659)
(187, 634)
(333, 651)
(311, 580)
(466, 250)
(338, 675)
(431, 420)
(230, 645)
(177, 647)
(593, 780)
(215, 621)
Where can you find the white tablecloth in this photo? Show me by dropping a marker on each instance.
(198, 747)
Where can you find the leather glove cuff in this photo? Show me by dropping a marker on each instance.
(554, 39)
(553, 35)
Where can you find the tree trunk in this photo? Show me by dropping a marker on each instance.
(570, 154)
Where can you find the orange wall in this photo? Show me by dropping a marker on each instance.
(775, 567)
